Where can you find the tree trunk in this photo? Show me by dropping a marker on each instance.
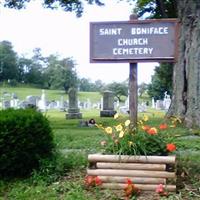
(186, 77)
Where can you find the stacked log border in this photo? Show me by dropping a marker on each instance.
(146, 172)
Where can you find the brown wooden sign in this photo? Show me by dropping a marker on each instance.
(133, 41)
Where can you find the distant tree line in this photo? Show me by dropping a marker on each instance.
(53, 72)
(50, 72)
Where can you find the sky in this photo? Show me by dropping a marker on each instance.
(56, 31)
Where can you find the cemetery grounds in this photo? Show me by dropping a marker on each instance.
(63, 178)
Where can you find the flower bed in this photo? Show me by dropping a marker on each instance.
(135, 158)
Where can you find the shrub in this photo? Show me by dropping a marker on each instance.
(25, 138)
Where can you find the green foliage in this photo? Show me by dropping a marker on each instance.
(68, 6)
(75, 159)
(60, 73)
(86, 85)
(119, 89)
(142, 89)
(25, 138)
(51, 169)
(123, 139)
(8, 62)
(51, 72)
(161, 81)
(156, 8)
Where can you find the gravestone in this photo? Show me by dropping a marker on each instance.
(73, 110)
(108, 105)
(32, 100)
(14, 103)
(42, 102)
(23, 104)
(159, 105)
(6, 104)
(62, 108)
(153, 103)
(142, 107)
(166, 101)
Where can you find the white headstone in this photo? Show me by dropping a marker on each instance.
(153, 103)
(42, 102)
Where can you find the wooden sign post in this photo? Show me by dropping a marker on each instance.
(133, 88)
(133, 41)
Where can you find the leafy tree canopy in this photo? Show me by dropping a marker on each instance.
(8, 62)
(67, 5)
(119, 89)
(156, 8)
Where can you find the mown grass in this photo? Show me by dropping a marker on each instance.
(23, 92)
(75, 142)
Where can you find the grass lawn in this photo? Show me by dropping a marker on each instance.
(23, 92)
(75, 142)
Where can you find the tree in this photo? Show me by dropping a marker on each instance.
(186, 74)
(66, 5)
(87, 85)
(161, 81)
(119, 89)
(8, 62)
(186, 93)
(142, 88)
(60, 74)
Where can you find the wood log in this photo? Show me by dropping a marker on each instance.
(139, 180)
(145, 187)
(130, 159)
(130, 173)
(132, 166)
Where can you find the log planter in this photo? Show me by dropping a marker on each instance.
(146, 172)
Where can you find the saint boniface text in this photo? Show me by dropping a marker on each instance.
(145, 40)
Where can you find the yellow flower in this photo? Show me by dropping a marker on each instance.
(130, 143)
(145, 118)
(127, 122)
(108, 130)
(179, 120)
(119, 127)
(116, 116)
(121, 134)
(98, 126)
(140, 122)
(172, 126)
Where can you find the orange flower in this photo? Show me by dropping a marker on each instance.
(130, 189)
(92, 181)
(171, 147)
(98, 181)
(89, 181)
(146, 127)
(161, 190)
(128, 181)
(163, 126)
(152, 131)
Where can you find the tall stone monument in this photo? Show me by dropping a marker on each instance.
(73, 110)
(108, 105)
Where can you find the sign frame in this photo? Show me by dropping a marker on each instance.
(135, 60)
